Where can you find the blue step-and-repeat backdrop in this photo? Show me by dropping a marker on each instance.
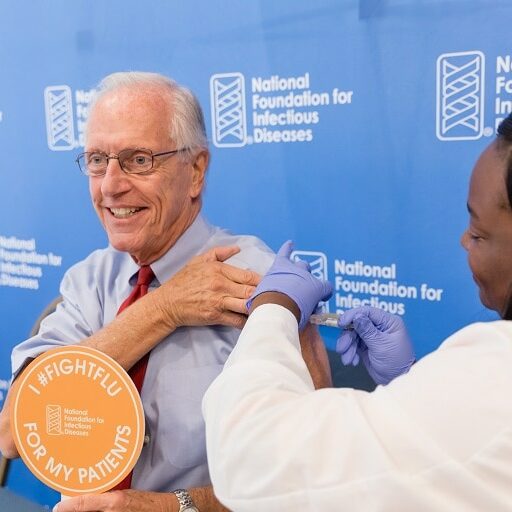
(350, 126)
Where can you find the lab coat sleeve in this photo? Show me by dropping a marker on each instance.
(437, 438)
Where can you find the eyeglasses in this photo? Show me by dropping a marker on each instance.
(131, 161)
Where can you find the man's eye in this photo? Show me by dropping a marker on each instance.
(95, 159)
(141, 159)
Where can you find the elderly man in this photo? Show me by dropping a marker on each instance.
(146, 157)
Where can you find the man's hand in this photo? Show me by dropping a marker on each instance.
(131, 500)
(380, 339)
(204, 292)
(207, 291)
(128, 500)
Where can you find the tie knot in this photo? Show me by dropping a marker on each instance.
(145, 276)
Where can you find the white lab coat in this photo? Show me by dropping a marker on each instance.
(438, 439)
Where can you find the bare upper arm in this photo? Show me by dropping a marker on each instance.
(315, 356)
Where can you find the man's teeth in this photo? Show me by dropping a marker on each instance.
(121, 213)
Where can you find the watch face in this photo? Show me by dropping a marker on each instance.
(189, 509)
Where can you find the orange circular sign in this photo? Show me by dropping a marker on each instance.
(77, 420)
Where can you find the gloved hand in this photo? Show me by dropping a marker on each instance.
(380, 339)
(295, 280)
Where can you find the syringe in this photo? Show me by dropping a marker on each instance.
(327, 319)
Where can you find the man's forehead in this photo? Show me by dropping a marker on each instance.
(129, 98)
(130, 115)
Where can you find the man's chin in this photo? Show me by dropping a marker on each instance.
(123, 244)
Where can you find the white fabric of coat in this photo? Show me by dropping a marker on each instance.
(436, 439)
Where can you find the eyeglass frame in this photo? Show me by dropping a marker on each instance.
(113, 156)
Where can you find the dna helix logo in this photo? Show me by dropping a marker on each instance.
(227, 100)
(60, 131)
(317, 262)
(460, 96)
(53, 420)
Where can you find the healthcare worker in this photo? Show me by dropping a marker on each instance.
(437, 438)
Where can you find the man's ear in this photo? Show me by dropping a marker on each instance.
(199, 167)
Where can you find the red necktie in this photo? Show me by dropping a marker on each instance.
(138, 370)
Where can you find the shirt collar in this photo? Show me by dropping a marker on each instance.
(190, 243)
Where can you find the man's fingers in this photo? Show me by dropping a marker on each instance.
(234, 305)
(216, 256)
(84, 503)
(236, 320)
(240, 275)
(221, 253)
(218, 287)
(206, 289)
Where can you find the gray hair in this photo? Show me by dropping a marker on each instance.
(187, 127)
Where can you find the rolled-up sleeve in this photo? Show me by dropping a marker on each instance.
(67, 325)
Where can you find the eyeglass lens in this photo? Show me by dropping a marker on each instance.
(131, 161)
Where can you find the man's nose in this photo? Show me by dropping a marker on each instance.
(115, 181)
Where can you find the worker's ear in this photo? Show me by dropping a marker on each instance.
(199, 167)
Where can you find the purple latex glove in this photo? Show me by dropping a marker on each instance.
(295, 280)
(380, 339)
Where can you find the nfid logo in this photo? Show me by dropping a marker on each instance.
(60, 131)
(273, 109)
(318, 267)
(65, 123)
(460, 95)
(463, 100)
(227, 101)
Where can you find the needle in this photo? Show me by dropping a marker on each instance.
(327, 319)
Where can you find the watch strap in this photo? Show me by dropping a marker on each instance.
(185, 500)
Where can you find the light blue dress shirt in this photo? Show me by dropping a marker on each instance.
(180, 368)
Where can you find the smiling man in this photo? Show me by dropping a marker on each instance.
(143, 209)
(146, 157)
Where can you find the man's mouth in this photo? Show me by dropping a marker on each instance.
(124, 213)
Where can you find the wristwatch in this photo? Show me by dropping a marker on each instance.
(185, 501)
